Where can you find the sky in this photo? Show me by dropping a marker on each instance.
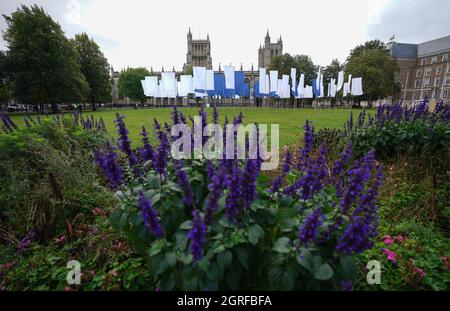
(153, 33)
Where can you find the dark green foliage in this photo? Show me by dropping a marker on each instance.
(48, 177)
(95, 69)
(130, 83)
(44, 62)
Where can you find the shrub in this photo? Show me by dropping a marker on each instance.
(221, 225)
(48, 175)
(398, 130)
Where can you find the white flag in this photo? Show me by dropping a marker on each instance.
(199, 78)
(210, 80)
(294, 80)
(273, 80)
(340, 80)
(262, 80)
(357, 87)
(229, 77)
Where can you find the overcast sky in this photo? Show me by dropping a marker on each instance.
(153, 33)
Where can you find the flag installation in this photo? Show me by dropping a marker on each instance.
(231, 83)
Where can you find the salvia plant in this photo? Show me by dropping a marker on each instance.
(222, 224)
(398, 129)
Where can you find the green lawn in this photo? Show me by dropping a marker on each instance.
(291, 121)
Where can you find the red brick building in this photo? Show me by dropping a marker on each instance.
(424, 69)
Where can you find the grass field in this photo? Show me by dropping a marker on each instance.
(290, 121)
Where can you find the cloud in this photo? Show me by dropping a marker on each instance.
(412, 21)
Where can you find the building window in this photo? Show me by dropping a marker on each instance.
(419, 73)
(445, 58)
(428, 72)
(437, 81)
(425, 94)
(447, 81)
(444, 94)
(448, 68)
(417, 84)
(423, 62)
(426, 82)
(434, 60)
(438, 70)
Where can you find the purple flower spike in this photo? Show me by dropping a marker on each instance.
(150, 215)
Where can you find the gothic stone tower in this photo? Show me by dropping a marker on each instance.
(268, 51)
(198, 52)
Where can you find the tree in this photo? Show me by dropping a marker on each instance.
(188, 70)
(373, 63)
(303, 64)
(4, 79)
(130, 83)
(45, 62)
(332, 70)
(367, 46)
(95, 69)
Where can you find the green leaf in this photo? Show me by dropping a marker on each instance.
(156, 247)
(324, 272)
(219, 249)
(154, 181)
(348, 267)
(282, 245)
(243, 257)
(255, 233)
(224, 259)
(171, 259)
(305, 259)
(187, 225)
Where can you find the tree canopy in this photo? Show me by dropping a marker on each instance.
(95, 69)
(130, 83)
(303, 64)
(45, 62)
(372, 62)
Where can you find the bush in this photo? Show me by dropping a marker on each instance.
(300, 232)
(48, 175)
(397, 130)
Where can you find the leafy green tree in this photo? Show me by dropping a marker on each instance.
(367, 46)
(372, 62)
(303, 64)
(187, 70)
(45, 62)
(130, 83)
(332, 70)
(4, 79)
(95, 69)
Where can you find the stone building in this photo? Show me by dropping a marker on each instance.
(198, 52)
(268, 51)
(424, 69)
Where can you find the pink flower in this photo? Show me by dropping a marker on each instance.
(113, 273)
(399, 239)
(387, 240)
(390, 254)
(420, 272)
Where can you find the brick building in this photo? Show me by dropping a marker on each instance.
(424, 69)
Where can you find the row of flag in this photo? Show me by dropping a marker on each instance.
(205, 82)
